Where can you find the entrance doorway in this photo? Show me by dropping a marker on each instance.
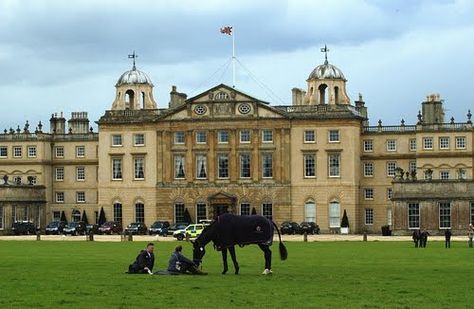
(221, 203)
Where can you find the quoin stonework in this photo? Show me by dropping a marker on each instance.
(226, 151)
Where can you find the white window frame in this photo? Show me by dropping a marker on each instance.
(18, 154)
(444, 175)
(243, 141)
(113, 168)
(309, 137)
(265, 134)
(412, 144)
(369, 216)
(440, 204)
(59, 152)
(220, 137)
(80, 197)
(80, 153)
(412, 166)
(264, 167)
(31, 151)
(389, 173)
(247, 213)
(177, 136)
(241, 156)
(135, 166)
(368, 145)
(415, 215)
(59, 176)
(458, 142)
(201, 158)
(199, 135)
(330, 170)
(441, 142)
(138, 143)
(333, 134)
(139, 210)
(4, 150)
(114, 142)
(179, 159)
(369, 194)
(334, 221)
(391, 145)
(80, 176)
(369, 169)
(199, 216)
(425, 143)
(267, 214)
(307, 168)
(310, 211)
(59, 197)
(219, 157)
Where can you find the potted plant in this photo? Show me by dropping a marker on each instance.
(344, 224)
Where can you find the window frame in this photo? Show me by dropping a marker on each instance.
(330, 136)
(416, 215)
(249, 137)
(388, 169)
(199, 214)
(113, 141)
(247, 212)
(78, 155)
(182, 161)
(311, 140)
(265, 210)
(118, 159)
(440, 144)
(141, 211)
(58, 194)
(265, 133)
(267, 173)
(365, 168)
(460, 138)
(78, 168)
(369, 194)
(135, 139)
(331, 217)
(425, 140)
(56, 170)
(200, 134)
(330, 170)
(307, 168)
(135, 172)
(366, 143)
(175, 212)
(14, 151)
(440, 215)
(78, 194)
(369, 216)
(29, 148)
(389, 143)
(220, 135)
(227, 168)
(177, 136)
(59, 152)
(201, 157)
(241, 167)
(443, 173)
(4, 149)
(412, 144)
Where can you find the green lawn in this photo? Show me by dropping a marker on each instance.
(50, 274)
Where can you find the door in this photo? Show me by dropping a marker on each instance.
(221, 209)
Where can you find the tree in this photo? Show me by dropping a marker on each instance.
(345, 220)
(254, 211)
(187, 216)
(102, 219)
(63, 217)
(84, 217)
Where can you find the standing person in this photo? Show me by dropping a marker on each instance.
(470, 234)
(179, 264)
(424, 238)
(144, 262)
(447, 238)
(416, 237)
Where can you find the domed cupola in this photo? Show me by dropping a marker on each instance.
(134, 90)
(326, 84)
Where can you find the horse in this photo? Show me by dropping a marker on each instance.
(230, 230)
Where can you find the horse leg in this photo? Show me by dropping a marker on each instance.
(224, 261)
(234, 259)
(268, 256)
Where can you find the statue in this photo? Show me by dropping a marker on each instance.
(5, 179)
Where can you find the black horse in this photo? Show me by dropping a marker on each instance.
(230, 230)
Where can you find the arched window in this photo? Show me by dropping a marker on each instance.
(336, 95)
(129, 99)
(118, 212)
(267, 210)
(245, 208)
(334, 214)
(310, 211)
(76, 216)
(139, 212)
(179, 212)
(201, 211)
(322, 94)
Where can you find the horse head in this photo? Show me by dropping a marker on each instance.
(199, 251)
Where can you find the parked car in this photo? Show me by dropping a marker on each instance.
(192, 230)
(290, 228)
(23, 228)
(309, 228)
(206, 222)
(92, 228)
(173, 228)
(136, 228)
(158, 228)
(110, 227)
(75, 228)
(55, 227)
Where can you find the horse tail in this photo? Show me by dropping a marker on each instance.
(283, 251)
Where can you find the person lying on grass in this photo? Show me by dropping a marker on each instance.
(180, 264)
(144, 262)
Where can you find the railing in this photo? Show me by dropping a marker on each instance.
(422, 127)
(407, 128)
(48, 137)
(322, 108)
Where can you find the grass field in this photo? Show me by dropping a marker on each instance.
(63, 274)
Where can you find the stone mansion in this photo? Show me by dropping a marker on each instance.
(226, 151)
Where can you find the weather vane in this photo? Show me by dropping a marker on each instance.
(325, 50)
(133, 56)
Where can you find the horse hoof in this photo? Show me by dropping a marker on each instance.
(224, 272)
(237, 271)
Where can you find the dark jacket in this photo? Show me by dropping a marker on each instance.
(144, 259)
(178, 262)
(416, 235)
(447, 234)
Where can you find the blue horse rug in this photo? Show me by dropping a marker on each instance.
(242, 230)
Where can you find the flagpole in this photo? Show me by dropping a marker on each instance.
(233, 57)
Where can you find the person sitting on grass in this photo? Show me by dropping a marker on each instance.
(180, 264)
(144, 262)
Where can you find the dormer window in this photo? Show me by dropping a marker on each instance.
(221, 96)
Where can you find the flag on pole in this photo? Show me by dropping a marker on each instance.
(226, 30)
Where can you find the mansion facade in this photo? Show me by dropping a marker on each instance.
(226, 151)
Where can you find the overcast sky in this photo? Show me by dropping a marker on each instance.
(67, 55)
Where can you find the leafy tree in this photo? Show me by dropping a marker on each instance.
(187, 216)
(63, 217)
(102, 219)
(84, 217)
(345, 220)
